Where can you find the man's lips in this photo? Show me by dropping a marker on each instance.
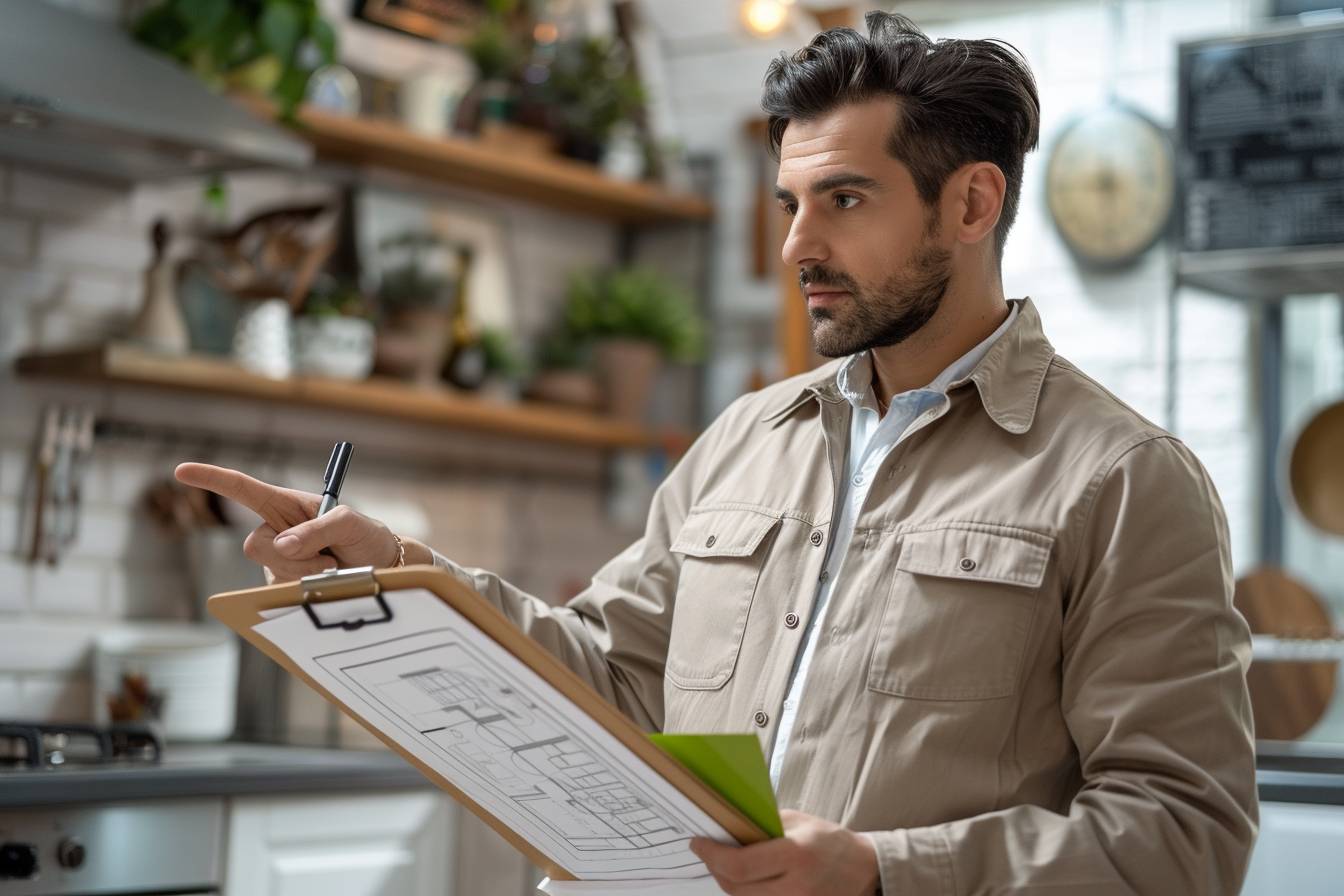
(819, 296)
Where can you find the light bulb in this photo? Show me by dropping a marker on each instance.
(764, 17)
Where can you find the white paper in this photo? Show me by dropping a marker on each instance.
(502, 735)
(700, 886)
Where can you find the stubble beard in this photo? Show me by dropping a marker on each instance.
(887, 315)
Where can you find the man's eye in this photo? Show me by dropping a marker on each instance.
(790, 208)
(844, 200)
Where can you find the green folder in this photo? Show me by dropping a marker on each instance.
(734, 766)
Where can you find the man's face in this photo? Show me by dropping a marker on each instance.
(864, 243)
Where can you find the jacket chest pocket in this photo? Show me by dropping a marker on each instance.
(722, 551)
(959, 612)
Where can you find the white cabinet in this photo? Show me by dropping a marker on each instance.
(1300, 851)
(382, 844)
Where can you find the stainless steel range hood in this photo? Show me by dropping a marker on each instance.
(78, 93)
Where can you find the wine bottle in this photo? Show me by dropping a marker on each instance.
(465, 365)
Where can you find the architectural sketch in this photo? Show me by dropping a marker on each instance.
(504, 740)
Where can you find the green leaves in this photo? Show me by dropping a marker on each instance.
(634, 303)
(203, 17)
(281, 28)
(324, 37)
(268, 45)
(593, 86)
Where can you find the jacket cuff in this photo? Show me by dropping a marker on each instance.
(914, 862)
(460, 573)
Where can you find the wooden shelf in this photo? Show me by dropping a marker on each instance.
(116, 363)
(544, 179)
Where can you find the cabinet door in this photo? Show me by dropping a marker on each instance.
(387, 844)
(1297, 852)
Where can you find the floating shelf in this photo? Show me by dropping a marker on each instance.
(544, 179)
(117, 363)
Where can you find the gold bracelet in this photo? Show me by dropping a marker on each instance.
(401, 550)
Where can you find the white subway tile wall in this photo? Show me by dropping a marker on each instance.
(72, 254)
(1113, 325)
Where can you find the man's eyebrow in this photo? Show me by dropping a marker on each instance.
(834, 182)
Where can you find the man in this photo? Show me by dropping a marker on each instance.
(977, 609)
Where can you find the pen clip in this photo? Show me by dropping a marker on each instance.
(331, 466)
(336, 465)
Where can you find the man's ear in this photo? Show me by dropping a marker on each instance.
(979, 189)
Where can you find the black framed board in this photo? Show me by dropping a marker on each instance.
(1261, 140)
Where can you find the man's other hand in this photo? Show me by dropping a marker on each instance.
(815, 857)
(291, 537)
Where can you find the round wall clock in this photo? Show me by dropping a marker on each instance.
(1110, 182)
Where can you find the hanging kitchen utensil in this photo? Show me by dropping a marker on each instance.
(59, 494)
(44, 459)
(79, 432)
(1287, 698)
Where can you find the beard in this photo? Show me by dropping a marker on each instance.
(887, 314)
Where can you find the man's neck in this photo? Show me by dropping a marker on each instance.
(959, 326)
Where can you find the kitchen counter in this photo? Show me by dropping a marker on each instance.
(1287, 772)
(1297, 772)
(214, 770)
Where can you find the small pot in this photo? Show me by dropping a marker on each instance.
(626, 372)
(575, 388)
(582, 147)
(414, 345)
(338, 347)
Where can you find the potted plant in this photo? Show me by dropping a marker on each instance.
(497, 52)
(634, 319)
(592, 90)
(504, 366)
(564, 372)
(415, 302)
(265, 46)
(333, 335)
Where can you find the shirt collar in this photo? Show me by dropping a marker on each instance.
(1008, 374)
(854, 379)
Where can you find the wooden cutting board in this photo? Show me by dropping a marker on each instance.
(1287, 698)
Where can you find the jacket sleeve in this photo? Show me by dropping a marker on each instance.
(1153, 663)
(614, 634)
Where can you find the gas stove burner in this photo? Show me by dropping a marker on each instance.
(36, 745)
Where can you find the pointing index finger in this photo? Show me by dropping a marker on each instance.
(253, 494)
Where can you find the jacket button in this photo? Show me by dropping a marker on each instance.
(815, 538)
(791, 620)
(709, 542)
(967, 564)
(760, 719)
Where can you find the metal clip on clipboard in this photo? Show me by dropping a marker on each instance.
(343, 584)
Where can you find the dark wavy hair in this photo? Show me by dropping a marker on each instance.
(961, 101)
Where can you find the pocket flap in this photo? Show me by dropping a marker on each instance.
(1008, 556)
(723, 532)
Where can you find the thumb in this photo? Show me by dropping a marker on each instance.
(307, 539)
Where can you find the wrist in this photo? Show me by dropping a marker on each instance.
(417, 553)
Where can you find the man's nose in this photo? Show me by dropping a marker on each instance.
(804, 245)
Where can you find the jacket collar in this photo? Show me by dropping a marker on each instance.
(1009, 377)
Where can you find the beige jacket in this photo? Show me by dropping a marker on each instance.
(1030, 678)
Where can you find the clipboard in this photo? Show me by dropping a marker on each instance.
(243, 611)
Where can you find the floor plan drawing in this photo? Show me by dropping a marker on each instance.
(514, 746)
(483, 721)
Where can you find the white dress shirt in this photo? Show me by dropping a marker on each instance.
(871, 438)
